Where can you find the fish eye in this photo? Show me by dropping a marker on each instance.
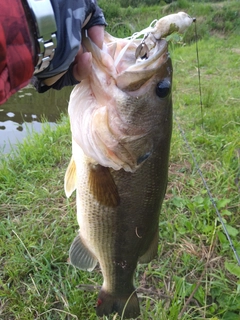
(163, 88)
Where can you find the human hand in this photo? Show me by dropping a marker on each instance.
(83, 60)
(71, 64)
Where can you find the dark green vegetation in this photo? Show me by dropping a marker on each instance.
(221, 17)
(195, 275)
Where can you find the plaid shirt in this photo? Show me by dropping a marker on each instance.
(16, 51)
(16, 48)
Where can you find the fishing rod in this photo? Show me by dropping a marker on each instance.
(196, 163)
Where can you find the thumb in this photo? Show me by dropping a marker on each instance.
(82, 65)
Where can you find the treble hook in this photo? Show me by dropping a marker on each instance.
(142, 50)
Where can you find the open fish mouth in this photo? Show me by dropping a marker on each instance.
(134, 71)
(116, 114)
(139, 52)
(117, 123)
(133, 60)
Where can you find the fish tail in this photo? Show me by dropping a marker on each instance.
(126, 305)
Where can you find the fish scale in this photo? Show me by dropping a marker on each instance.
(121, 123)
(118, 238)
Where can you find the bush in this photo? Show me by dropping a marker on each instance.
(136, 3)
(111, 9)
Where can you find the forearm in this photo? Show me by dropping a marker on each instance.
(16, 49)
(70, 17)
(44, 42)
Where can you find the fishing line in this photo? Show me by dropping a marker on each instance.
(133, 37)
(208, 192)
(198, 68)
(196, 163)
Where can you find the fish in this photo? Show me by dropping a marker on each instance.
(121, 124)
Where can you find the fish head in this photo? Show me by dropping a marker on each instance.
(122, 112)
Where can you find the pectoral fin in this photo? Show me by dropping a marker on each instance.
(150, 254)
(80, 256)
(70, 179)
(102, 186)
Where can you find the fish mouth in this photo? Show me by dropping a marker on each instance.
(124, 59)
(131, 76)
(147, 59)
(120, 122)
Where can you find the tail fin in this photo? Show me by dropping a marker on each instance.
(126, 305)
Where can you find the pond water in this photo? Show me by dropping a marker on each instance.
(26, 111)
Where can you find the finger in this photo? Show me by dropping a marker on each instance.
(82, 65)
(50, 81)
(96, 33)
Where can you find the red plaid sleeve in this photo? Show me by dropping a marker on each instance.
(16, 52)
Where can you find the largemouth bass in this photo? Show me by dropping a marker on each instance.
(121, 123)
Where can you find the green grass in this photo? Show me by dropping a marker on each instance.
(221, 17)
(195, 275)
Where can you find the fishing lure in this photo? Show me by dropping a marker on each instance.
(177, 22)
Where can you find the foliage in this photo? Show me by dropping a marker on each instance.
(212, 17)
(111, 8)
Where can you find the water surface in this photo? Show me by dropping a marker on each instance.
(26, 110)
